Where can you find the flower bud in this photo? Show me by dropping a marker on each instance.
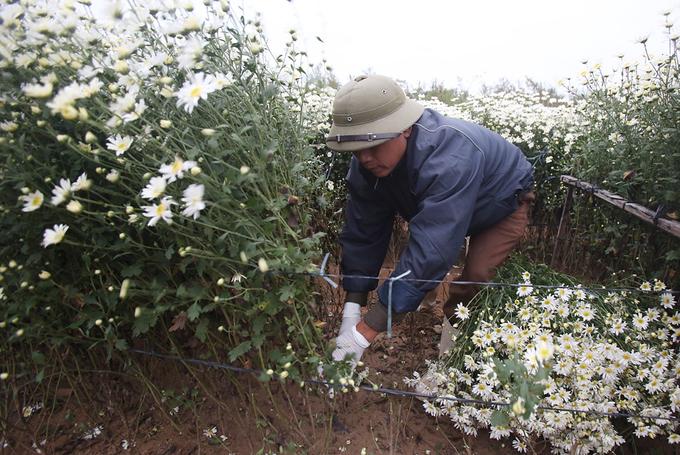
(90, 137)
(138, 312)
(195, 170)
(44, 275)
(125, 285)
(121, 66)
(262, 265)
(113, 176)
(165, 123)
(98, 322)
(208, 132)
(74, 207)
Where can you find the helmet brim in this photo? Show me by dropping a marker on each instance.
(398, 121)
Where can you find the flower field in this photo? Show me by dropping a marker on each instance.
(165, 188)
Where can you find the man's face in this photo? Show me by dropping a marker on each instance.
(381, 159)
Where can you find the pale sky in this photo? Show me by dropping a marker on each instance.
(467, 43)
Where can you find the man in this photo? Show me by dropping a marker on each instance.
(448, 178)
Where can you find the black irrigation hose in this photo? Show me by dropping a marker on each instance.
(404, 393)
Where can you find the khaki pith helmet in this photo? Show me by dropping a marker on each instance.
(368, 111)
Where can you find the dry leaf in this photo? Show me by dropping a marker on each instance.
(178, 322)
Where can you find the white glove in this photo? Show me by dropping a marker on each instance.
(350, 342)
(351, 315)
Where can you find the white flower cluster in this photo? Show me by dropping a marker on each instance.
(192, 195)
(601, 360)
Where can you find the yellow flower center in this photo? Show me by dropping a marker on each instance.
(177, 166)
(36, 200)
(160, 209)
(196, 91)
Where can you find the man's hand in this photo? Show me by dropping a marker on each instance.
(351, 315)
(350, 342)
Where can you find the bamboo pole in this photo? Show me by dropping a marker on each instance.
(637, 210)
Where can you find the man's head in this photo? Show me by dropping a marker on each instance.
(372, 117)
(380, 160)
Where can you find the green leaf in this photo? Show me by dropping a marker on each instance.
(287, 292)
(239, 350)
(500, 418)
(202, 330)
(144, 322)
(132, 270)
(194, 311)
(121, 345)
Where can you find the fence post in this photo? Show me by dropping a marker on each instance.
(565, 210)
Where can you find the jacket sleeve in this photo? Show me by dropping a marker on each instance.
(447, 187)
(366, 234)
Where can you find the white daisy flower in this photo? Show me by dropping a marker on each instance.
(524, 291)
(32, 201)
(659, 286)
(585, 312)
(193, 200)
(667, 300)
(81, 183)
(640, 322)
(61, 192)
(646, 286)
(563, 294)
(38, 90)
(191, 52)
(158, 211)
(544, 351)
(196, 88)
(54, 235)
(119, 144)
(462, 312)
(222, 80)
(155, 188)
(176, 170)
(618, 326)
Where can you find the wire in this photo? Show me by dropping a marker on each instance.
(477, 283)
(404, 393)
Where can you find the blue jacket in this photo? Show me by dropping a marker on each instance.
(455, 179)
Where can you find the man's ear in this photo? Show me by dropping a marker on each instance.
(407, 132)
